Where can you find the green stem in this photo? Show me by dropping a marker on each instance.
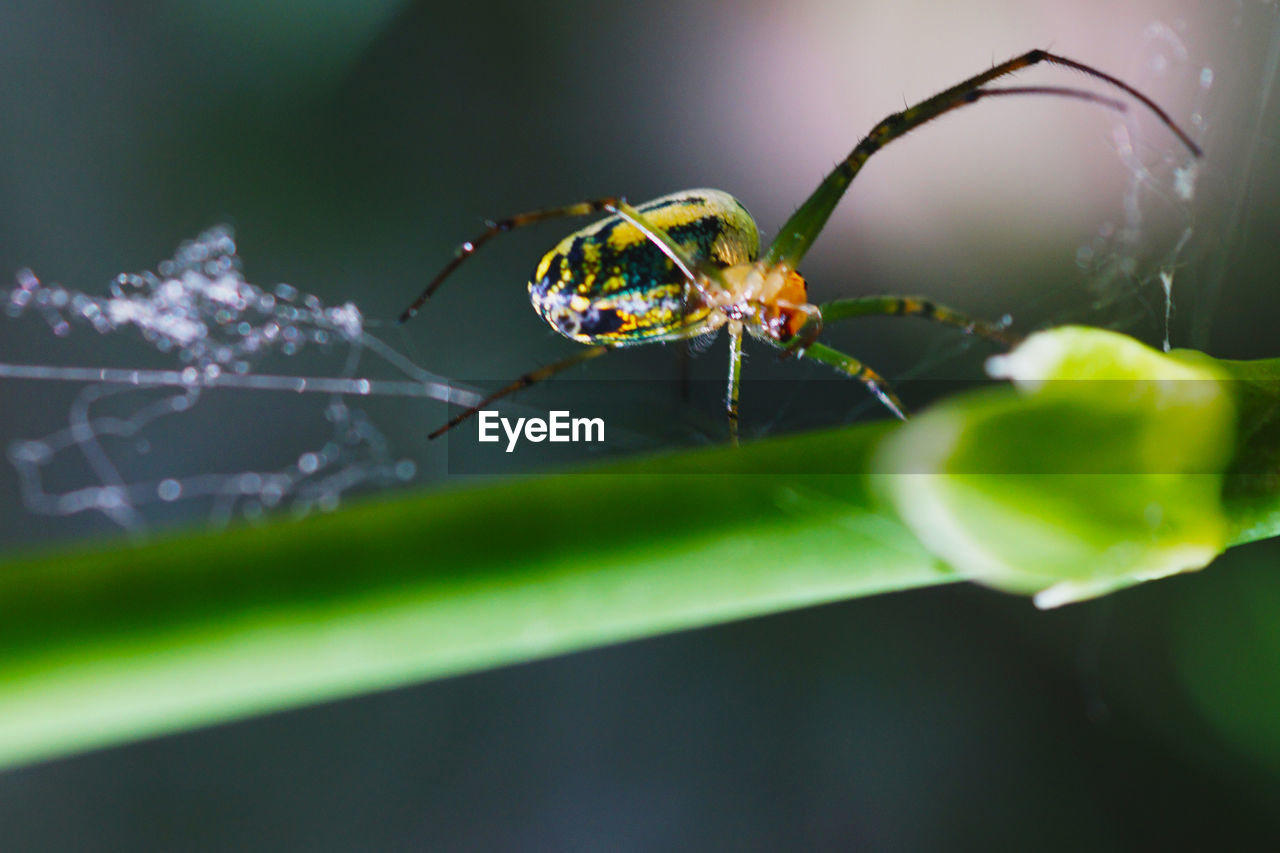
(1251, 492)
(1088, 486)
(110, 644)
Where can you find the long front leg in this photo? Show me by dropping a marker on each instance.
(799, 232)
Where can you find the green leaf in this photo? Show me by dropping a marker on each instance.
(1102, 470)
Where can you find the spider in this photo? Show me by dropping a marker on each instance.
(685, 265)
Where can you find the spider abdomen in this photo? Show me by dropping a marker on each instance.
(609, 284)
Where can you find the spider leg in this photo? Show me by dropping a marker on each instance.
(799, 232)
(698, 275)
(693, 270)
(524, 381)
(854, 369)
(803, 343)
(915, 306)
(735, 378)
(492, 229)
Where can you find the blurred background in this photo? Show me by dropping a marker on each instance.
(352, 145)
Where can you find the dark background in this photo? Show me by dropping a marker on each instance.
(352, 145)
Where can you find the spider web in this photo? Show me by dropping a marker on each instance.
(1130, 270)
(213, 331)
(1126, 258)
(1173, 246)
